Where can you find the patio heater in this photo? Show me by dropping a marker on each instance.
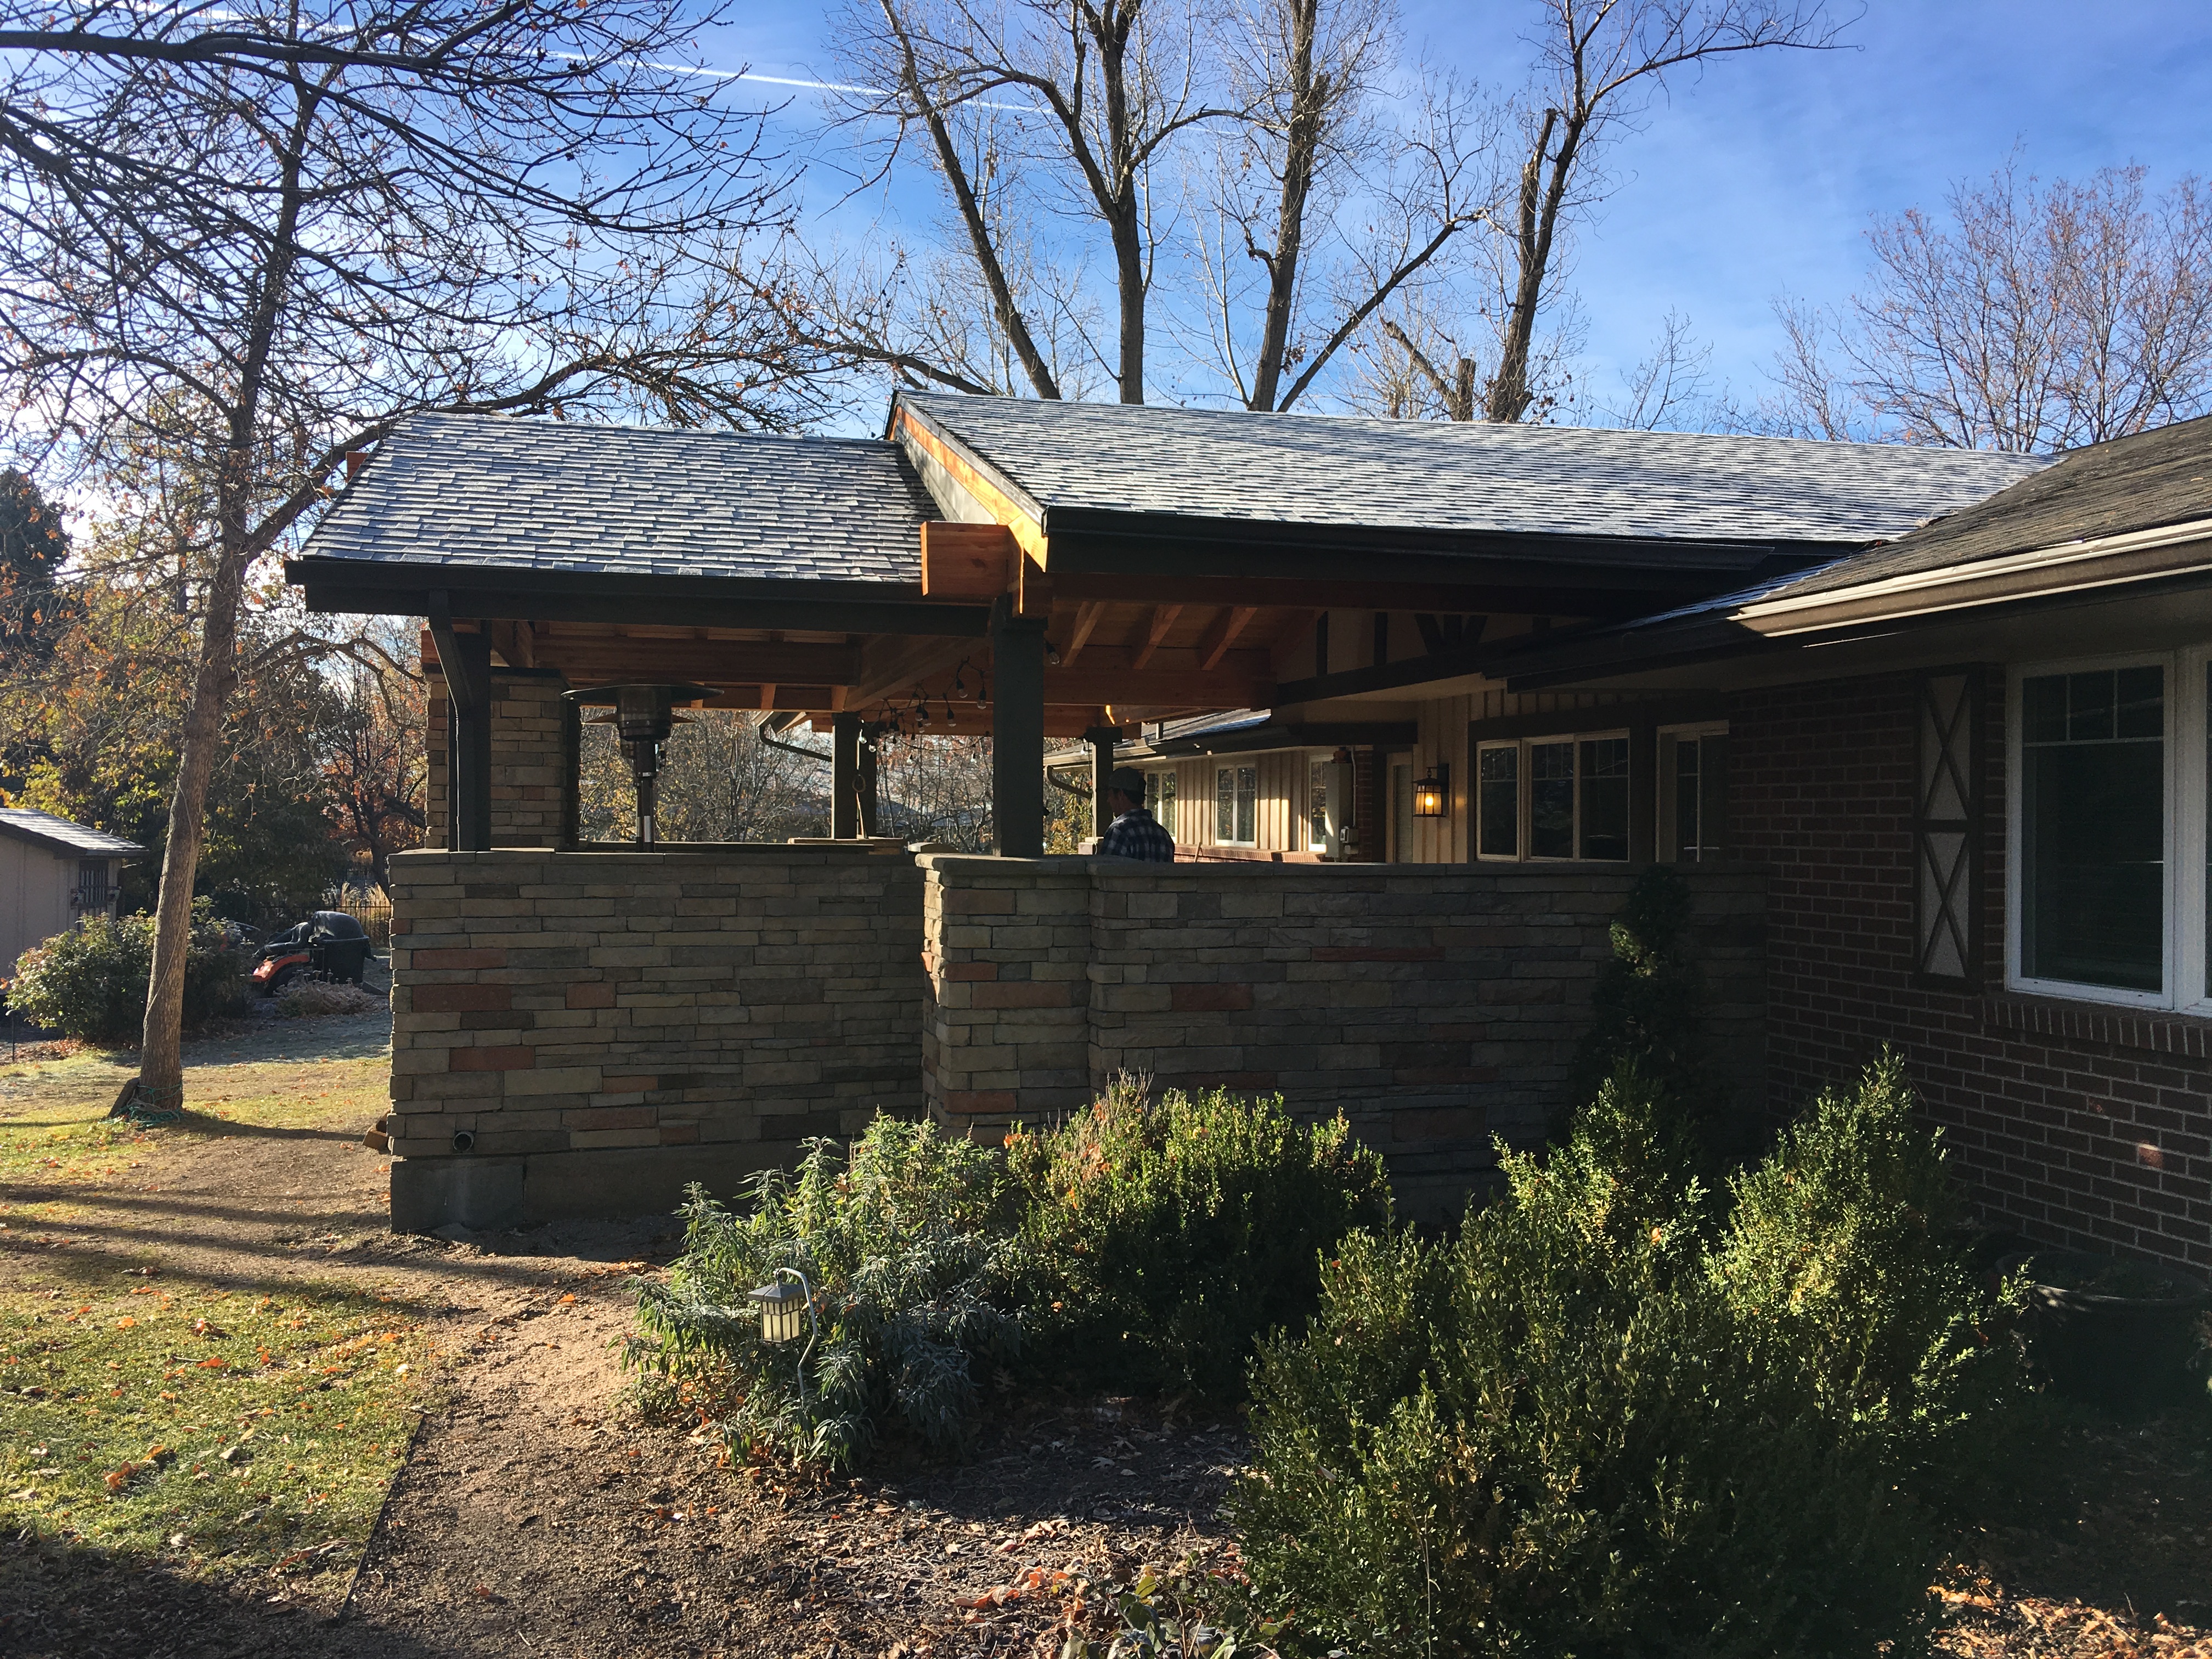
(643, 717)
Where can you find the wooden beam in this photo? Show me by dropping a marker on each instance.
(594, 661)
(1032, 590)
(1156, 629)
(1086, 619)
(1221, 633)
(966, 561)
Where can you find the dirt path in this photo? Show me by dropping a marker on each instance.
(534, 1513)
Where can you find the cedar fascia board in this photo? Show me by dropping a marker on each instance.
(509, 593)
(1259, 739)
(988, 471)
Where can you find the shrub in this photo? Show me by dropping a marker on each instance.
(1597, 1423)
(910, 1250)
(90, 983)
(1166, 1236)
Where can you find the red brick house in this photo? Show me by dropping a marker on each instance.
(1972, 767)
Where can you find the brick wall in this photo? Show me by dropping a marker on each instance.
(610, 1025)
(2077, 1124)
(529, 766)
(1436, 1006)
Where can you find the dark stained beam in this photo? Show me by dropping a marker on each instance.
(1017, 731)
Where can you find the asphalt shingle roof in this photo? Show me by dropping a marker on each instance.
(1477, 478)
(2144, 482)
(546, 495)
(63, 835)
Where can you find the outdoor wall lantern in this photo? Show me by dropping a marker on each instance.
(1432, 794)
(643, 717)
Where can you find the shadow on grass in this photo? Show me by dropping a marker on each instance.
(58, 1601)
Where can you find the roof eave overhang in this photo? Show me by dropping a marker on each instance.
(1295, 734)
(522, 593)
(2148, 564)
(126, 850)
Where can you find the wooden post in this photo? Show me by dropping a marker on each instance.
(869, 738)
(1101, 739)
(1017, 731)
(844, 777)
(466, 661)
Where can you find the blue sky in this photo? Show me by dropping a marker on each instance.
(1758, 180)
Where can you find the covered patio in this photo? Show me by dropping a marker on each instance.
(585, 1027)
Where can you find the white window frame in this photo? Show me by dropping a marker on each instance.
(1663, 781)
(2182, 971)
(1161, 790)
(1229, 771)
(1520, 852)
(1525, 793)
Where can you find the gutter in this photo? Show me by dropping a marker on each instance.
(2072, 567)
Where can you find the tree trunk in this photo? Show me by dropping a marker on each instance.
(161, 1083)
(1508, 393)
(1301, 152)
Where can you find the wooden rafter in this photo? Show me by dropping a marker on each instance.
(1086, 619)
(1156, 629)
(1221, 633)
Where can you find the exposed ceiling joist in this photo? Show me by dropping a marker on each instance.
(1155, 630)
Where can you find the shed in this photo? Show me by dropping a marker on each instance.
(52, 872)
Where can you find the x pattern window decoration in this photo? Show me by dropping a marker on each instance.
(1946, 835)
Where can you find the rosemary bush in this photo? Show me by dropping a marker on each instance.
(912, 1253)
(1620, 1414)
(1166, 1236)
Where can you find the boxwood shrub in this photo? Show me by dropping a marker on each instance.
(90, 983)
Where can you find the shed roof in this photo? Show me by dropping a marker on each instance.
(1470, 479)
(489, 489)
(64, 835)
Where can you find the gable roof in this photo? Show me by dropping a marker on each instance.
(1067, 463)
(63, 835)
(543, 495)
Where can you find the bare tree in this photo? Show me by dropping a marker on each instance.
(1313, 156)
(252, 240)
(1669, 390)
(2040, 317)
(1600, 63)
(1097, 88)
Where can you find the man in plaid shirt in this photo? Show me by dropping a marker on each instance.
(1134, 833)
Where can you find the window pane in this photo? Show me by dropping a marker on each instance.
(2093, 815)
(1165, 812)
(1688, 844)
(2043, 705)
(1604, 798)
(1551, 800)
(1248, 803)
(1225, 805)
(1497, 804)
(1317, 806)
(1401, 792)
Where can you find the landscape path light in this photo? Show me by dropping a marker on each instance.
(780, 1306)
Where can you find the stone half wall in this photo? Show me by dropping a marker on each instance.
(607, 1026)
(1436, 1005)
